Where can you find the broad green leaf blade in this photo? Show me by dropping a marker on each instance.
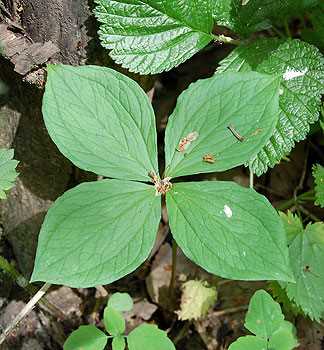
(284, 338)
(148, 36)
(307, 260)
(89, 236)
(264, 316)
(121, 302)
(318, 173)
(114, 321)
(229, 230)
(101, 120)
(292, 225)
(249, 342)
(118, 343)
(301, 67)
(86, 338)
(215, 110)
(147, 336)
(8, 172)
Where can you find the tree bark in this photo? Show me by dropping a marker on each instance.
(33, 33)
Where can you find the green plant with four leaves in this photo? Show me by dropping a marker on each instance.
(145, 336)
(103, 122)
(265, 319)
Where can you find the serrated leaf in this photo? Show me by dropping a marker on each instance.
(86, 338)
(149, 36)
(114, 321)
(292, 225)
(118, 343)
(148, 336)
(229, 230)
(280, 295)
(89, 236)
(249, 342)
(301, 67)
(216, 109)
(264, 316)
(101, 120)
(196, 300)
(318, 173)
(8, 172)
(245, 17)
(120, 302)
(265, 319)
(307, 260)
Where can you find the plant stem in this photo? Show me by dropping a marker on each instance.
(307, 196)
(29, 288)
(174, 267)
(287, 30)
(24, 312)
(251, 176)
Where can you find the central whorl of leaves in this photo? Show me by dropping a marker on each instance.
(103, 122)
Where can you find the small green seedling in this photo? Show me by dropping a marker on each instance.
(265, 319)
(306, 251)
(145, 336)
(8, 172)
(103, 122)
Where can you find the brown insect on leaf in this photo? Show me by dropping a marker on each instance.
(209, 158)
(186, 141)
(235, 133)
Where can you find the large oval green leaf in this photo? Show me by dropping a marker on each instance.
(97, 233)
(301, 69)
(149, 36)
(101, 120)
(229, 230)
(246, 103)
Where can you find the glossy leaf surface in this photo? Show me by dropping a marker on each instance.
(149, 36)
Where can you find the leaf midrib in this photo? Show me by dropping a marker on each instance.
(175, 18)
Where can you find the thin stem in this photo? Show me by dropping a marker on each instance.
(308, 213)
(24, 312)
(13, 273)
(287, 30)
(306, 196)
(251, 176)
(22, 282)
(278, 32)
(174, 267)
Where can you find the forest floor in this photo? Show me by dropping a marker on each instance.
(149, 285)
